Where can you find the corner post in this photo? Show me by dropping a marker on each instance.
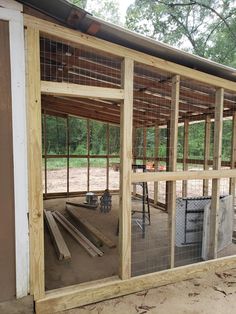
(185, 157)
(206, 152)
(156, 153)
(37, 285)
(214, 214)
(126, 126)
(233, 157)
(171, 205)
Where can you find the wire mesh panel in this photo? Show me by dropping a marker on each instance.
(56, 175)
(62, 61)
(150, 246)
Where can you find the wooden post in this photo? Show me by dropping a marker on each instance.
(173, 164)
(206, 152)
(167, 161)
(68, 153)
(219, 106)
(233, 156)
(134, 156)
(185, 157)
(88, 154)
(108, 153)
(37, 285)
(126, 170)
(144, 145)
(45, 152)
(156, 155)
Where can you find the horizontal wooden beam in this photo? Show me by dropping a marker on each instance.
(78, 295)
(76, 90)
(77, 38)
(182, 175)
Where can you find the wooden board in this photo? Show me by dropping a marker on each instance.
(70, 89)
(79, 38)
(171, 200)
(88, 226)
(82, 205)
(34, 134)
(57, 239)
(91, 249)
(215, 201)
(86, 293)
(126, 124)
(184, 175)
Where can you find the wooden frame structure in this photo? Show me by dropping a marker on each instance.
(65, 298)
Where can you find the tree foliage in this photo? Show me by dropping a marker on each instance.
(204, 27)
(107, 10)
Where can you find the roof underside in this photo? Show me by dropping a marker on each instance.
(74, 17)
(62, 62)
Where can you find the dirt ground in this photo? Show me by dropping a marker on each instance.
(56, 182)
(149, 254)
(211, 293)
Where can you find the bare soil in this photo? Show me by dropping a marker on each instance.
(56, 182)
(211, 293)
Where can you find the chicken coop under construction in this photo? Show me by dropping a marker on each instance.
(119, 159)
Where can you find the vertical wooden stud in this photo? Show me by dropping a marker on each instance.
(167, 160)
(68, 154)
(34, 131)
(173, 164)
(108, 153)
(134, 155)
(45, 152)
(185, 157)
(156, 155)
(126, 124)
(206, 152)
(233, 156)
(144, 146)
(219, 106)
(88, 155)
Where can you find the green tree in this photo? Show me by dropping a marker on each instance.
(204, 27)
(107, 10)
(80, 3)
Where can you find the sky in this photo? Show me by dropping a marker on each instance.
(123, 7)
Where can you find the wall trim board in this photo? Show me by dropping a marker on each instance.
(17, 58)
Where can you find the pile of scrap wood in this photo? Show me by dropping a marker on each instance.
(54, 217)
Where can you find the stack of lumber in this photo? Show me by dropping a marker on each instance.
(73, 212)
(90, 248)
(56, 236)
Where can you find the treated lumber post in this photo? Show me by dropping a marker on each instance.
(173, 164)
(144, 145)
(206, 152)
(126, 125)
(156, 155)
(108, 153)
(36, 228)
(56, 236)
(88, 154)
(185, 157)
(67, 158)
(167, 160)
(219, 106)
(45, 151)
(233, 157)
(134, 155)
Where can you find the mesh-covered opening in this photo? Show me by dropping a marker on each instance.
(152, 227)
(63, 61)
(79, 154)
